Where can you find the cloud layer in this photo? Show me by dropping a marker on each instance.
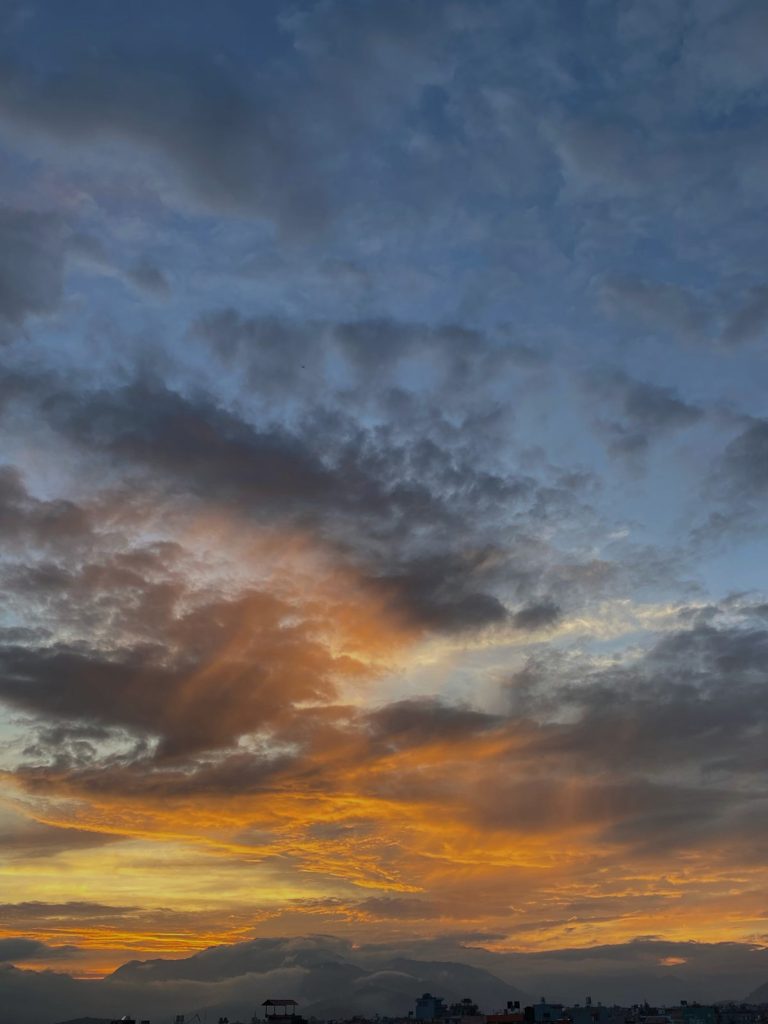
(382, 492)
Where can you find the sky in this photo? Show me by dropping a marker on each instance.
(383, 481)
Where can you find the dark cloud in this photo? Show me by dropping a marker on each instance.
(651, 406)
(437, 592)
(645, 412)
(274, 353)
(748, 323)
(415, 722)
(31, 266)
(537, 616)
(732, 492)
(722, 49)
(214, 450)
(743, 469)
(13, 950)
(72, 910)
(32, 839)
(328, 466)
(149, 278)
(415, 515)
(223, 669)
(44, 522)
(285, 358)
(398, 907)
(670, 307)
(234, 148)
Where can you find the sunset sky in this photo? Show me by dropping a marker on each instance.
(384, 477)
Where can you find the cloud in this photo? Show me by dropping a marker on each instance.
(149, 278)
(268, 470)
(731, 491)
(21, 949)
(645, 412)
(437, 592)
(669, 306)
(312, 605)
(723, 51)
(31, 266)
(22, 839)
(600, 157)
(42, 522)
(736, 483)
(398, 907)
(231, 147)
(361, 360)
(537, 616)
(685, 313)
(413, 515)
(688, 704)
(416, 722)
(749, 322)
(745, 461)
(73, 909)
(225, 669)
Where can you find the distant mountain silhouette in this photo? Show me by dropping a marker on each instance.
(330, 977)
(760, 994)
(326, 982)
(220, 962)
(87, 1020)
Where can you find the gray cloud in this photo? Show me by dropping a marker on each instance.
(149, 278)
(143, 688)
(738, 479)
(233, 148)
(438, 592)
(742, 472)
(749, 322)
(26, 518)
(71, 910)
(31, 266)
(364, 489)
(15, 949)
(645, 412)
(686, 314)
(732, 491)
(285, 358)
(537, 616)
(723, 50)
(398, 907)
(34, 840)
(413, 722)
(658, 303)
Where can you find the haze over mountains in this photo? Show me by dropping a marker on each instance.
(330, 977)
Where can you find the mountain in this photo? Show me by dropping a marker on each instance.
(324, 981)
(760, 994)
(330, 977)
(455, 980)
(259, 956)
(88, 1020)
